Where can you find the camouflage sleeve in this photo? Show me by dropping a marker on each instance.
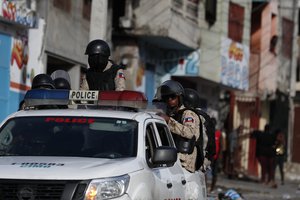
(188, 128)
(120, 80)
(84, 84)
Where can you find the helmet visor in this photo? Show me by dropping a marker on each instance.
(168, 97)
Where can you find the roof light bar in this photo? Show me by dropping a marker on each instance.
(131, 99)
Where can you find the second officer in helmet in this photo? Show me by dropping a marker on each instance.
(102, 74)
(183, 123)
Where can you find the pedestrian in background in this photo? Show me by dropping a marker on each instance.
(215, 160)
(280, 153)
(224, 151)
(265, 143)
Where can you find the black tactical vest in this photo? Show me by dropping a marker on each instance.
(102, 81)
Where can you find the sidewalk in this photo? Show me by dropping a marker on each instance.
(252, 190)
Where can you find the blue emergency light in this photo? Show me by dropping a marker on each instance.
(38, 97)
(47, 94)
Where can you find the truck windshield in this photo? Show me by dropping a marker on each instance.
(69, 136)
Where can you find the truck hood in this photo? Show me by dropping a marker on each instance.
(65, 168)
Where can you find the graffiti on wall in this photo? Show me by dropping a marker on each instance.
(26, 60)
(234, 64)
(17, 11)
(188, 65)
(18, 62)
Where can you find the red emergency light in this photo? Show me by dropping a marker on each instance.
(127, 98)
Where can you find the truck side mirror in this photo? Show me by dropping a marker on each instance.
(164, 155)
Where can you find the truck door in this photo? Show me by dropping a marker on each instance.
(162, 179)
(177, 178)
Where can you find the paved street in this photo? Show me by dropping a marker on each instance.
(252, 190)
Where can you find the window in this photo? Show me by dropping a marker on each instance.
(186, 8)
(87, 9)
(164, 134)
(211, 11)
(192, 8)
(69, 136)
(287, 37)
(64, 5)
(151, 144)
(298, 72)
(178, 4)
(118, 11)
(236, 22)
(298, 22)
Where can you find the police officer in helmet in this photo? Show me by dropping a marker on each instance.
(40, 81)
(62, 83)
(185, 127)
(102, 74)
(192, 100)
(183, 123)
(61, 79)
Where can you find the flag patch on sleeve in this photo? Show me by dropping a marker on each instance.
(188, 119)
(121, 75)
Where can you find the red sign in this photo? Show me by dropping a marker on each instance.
(70, 120)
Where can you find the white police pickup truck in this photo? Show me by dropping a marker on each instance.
(50, 152)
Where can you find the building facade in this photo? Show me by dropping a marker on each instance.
(17, 19)
(271, 78)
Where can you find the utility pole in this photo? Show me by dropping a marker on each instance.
(292, 76)
(98, 24)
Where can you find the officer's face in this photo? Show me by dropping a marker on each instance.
(97, 62)
(171, 100)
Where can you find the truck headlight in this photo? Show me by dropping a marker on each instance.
(107, 188)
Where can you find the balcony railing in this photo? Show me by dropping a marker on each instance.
(187, 8)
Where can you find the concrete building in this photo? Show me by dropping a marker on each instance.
(41, 37)
(180, 40)
(154, 40)
(224, 70)
(66, 34)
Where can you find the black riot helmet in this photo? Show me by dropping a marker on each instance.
(98, 52)
(61, 74)
(42, 81)
(98, 47)
(168, 89)
(62, 83)
(191, 98)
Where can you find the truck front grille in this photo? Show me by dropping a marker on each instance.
(36, 190)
